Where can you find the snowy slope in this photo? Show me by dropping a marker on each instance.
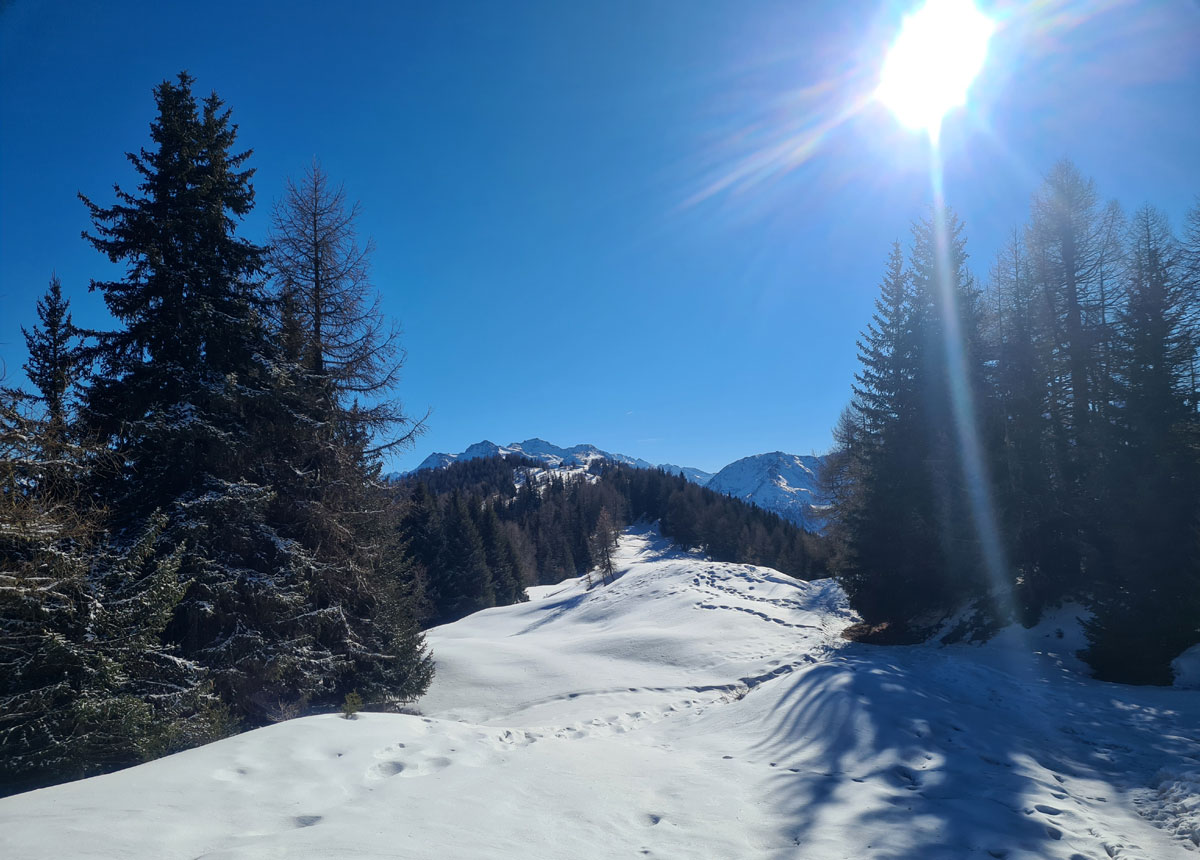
(784, 483)
(689, 710)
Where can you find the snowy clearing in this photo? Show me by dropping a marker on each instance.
(691, 709)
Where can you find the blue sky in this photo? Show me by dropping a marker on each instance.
(654, 226)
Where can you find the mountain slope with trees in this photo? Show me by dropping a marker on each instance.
(483, 529)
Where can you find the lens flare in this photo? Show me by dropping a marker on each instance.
(939, 52)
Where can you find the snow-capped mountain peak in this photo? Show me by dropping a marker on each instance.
(552, 455)
(788, 484)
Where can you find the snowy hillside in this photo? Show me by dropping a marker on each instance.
(784, 483)
(689, 710)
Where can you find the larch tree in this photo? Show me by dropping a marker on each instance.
(604, 543)
(1074, 260)
(344, 359)
(348, 348)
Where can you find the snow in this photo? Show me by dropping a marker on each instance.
(690, 709)
(1187, 668)
(787, 484)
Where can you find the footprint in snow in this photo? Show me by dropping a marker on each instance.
(384, 769)
(306, 820)
(907, 777)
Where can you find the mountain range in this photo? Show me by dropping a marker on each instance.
(787, 484)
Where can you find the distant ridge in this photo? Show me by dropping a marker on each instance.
(538, 449)
(786, 484)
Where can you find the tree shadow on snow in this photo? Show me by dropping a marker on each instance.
(945, 757)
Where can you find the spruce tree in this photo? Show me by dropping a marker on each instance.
(174, 380)
(55, 354)
(462, 582)
(501, 559)
(1190, 264)
(907, 521)
(195, 392)
(880, 384)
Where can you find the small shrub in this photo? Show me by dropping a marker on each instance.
(352, 705)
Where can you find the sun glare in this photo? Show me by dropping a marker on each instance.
(940, 50)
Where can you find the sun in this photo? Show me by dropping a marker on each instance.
(940, 50)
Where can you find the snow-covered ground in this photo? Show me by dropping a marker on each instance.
(691, 709)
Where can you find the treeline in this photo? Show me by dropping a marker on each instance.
(1034, 438)
(193, 536)
(481, 530)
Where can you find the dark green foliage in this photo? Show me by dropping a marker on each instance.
(538, 526)
(352, 705)
(1148, 605)
(55, 355)
(909, 546)
(501, 557)
(87, 683)
(186, 391)
(1079, 363)
(462, 582)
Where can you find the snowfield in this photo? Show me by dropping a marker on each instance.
(691, 709)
